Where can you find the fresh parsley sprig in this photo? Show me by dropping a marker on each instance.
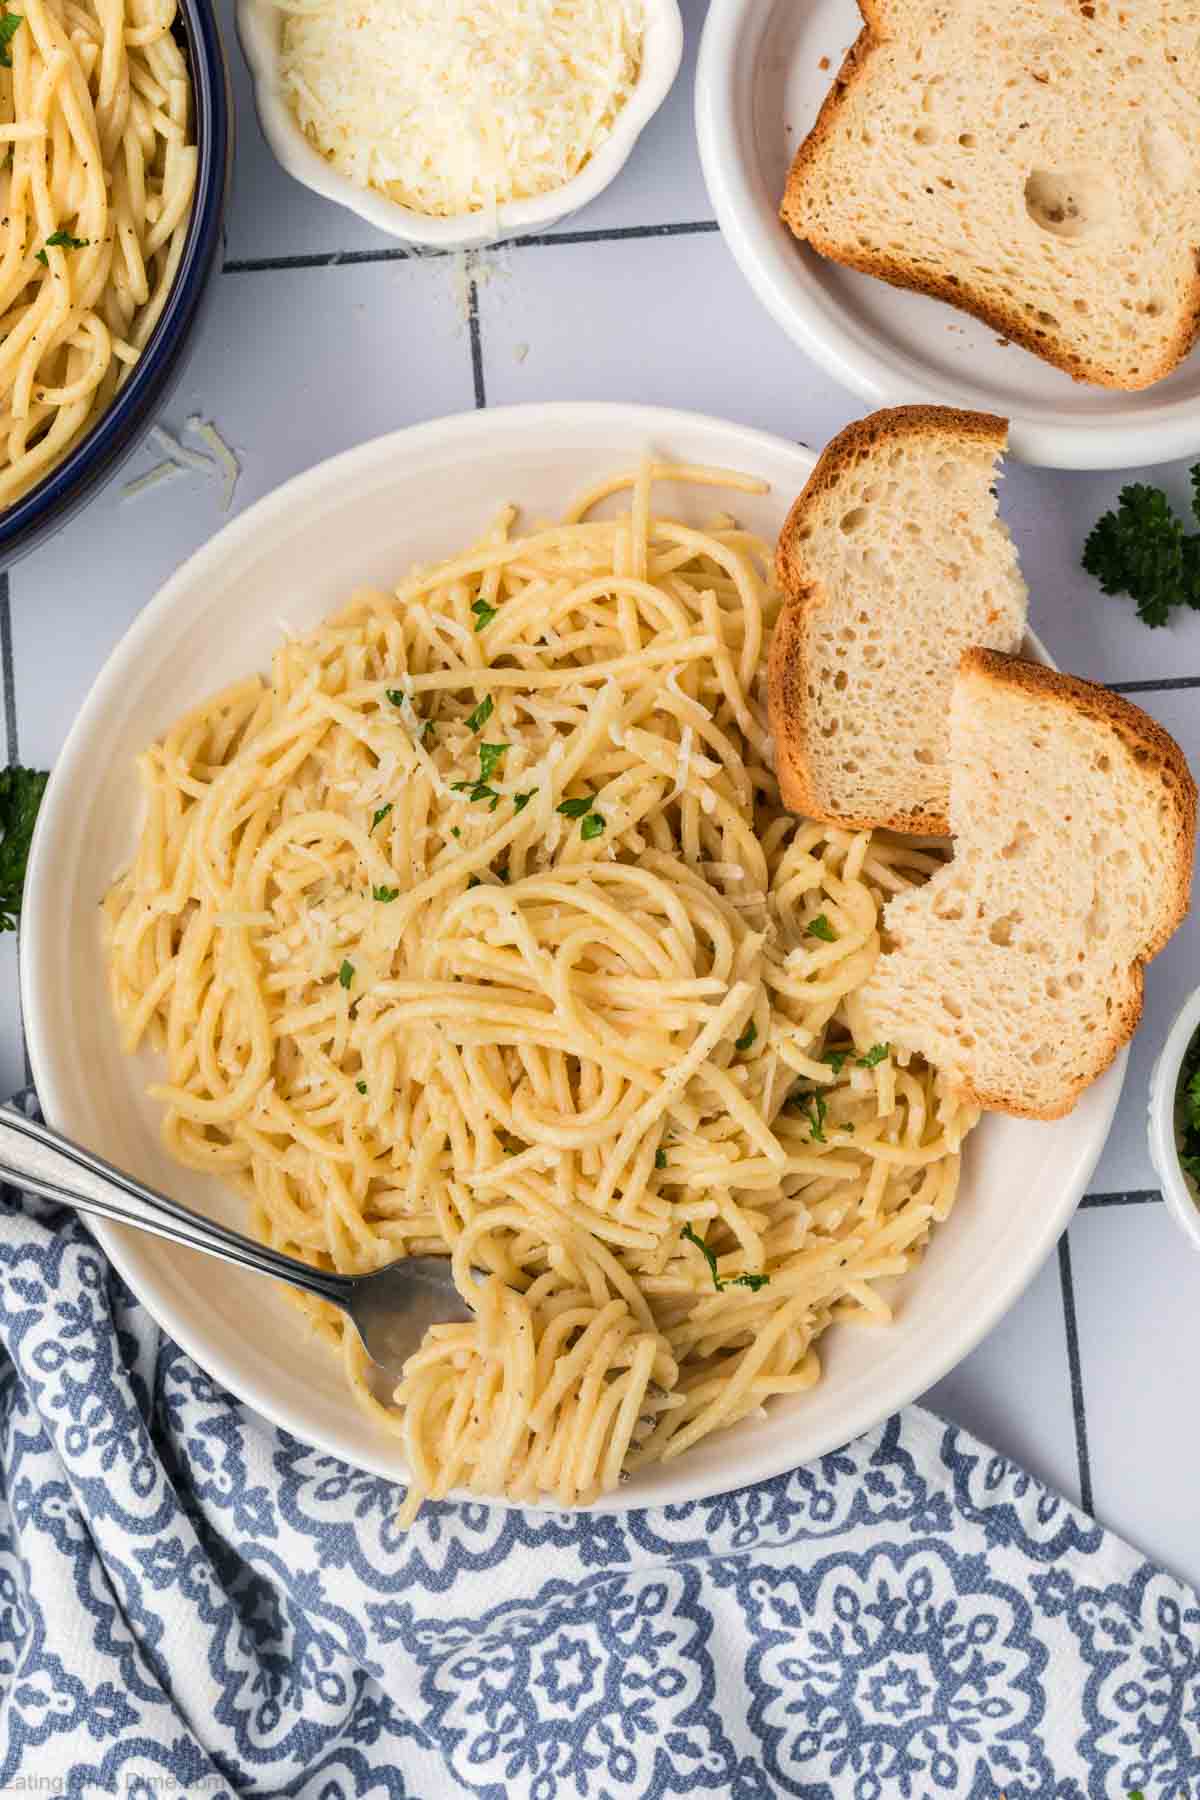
(1189, 1095)
(483, 712)
(21, 793)
(380, 816)
(385, 895)
(821, 928)
(484, 614)
(490, 757)
(753, 1282)
(1143, 550)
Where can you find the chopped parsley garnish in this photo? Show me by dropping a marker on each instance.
(361, 1086)
(484, 614)
(490, 755)
(1189, 1111)
(1142, 550)
(575, 809)
(9, 23)
(821, 928)
(380, 816)
(59, 240)
(428, 733)
(815, 1112)
(875, 1055)
(397, 696)
(747, 1038)
(385, 895)
(660, 1159)
(708, 1255)
(483, 712)
(477, 790)
(835, 1058)
(21, 793)
(521, 801)
(753, 1282)
(592, 826)
(346, 973)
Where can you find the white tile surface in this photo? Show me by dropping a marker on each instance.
(1014, 1391)
(668, 321)
(1137, 1290)
(295, 364)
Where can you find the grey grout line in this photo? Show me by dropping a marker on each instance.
(7, 667)
(1071, 1327)
(1131, 1197)
(339, 259)
(476, 343)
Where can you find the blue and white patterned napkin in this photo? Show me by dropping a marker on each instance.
(193, 1603)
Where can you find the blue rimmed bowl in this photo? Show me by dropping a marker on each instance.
(121, 427)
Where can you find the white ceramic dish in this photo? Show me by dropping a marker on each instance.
(1163, 1122)
(759, 86)
(259, 23)
(365, 517)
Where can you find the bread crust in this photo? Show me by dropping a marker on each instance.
(1155, 751)
(1008, 320)
(787, 701)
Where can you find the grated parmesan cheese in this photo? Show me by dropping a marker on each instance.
(459, 106)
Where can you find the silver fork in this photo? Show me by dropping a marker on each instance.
(390, 1308)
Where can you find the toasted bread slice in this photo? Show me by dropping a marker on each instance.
(892, 562)
(1017, 969)
(1036, 164)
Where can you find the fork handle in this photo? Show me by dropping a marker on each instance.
(42, 1161)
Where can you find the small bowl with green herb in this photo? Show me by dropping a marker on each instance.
(1175, 1119)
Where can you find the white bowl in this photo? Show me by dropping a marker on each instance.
(1178, 1192)
(759, 86)
(259, 23)
(364, 517)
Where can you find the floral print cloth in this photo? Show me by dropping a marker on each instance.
(193, 1603)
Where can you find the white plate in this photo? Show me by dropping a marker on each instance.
(759, 86)
(365, 517)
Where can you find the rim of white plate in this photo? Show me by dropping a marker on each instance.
(1128, 430)
(313, 494)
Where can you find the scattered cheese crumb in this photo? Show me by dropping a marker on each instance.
(180, 459)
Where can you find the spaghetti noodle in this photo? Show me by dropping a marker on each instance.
(95, 108)
(481, 929)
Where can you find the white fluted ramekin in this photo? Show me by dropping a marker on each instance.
(259, 24)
